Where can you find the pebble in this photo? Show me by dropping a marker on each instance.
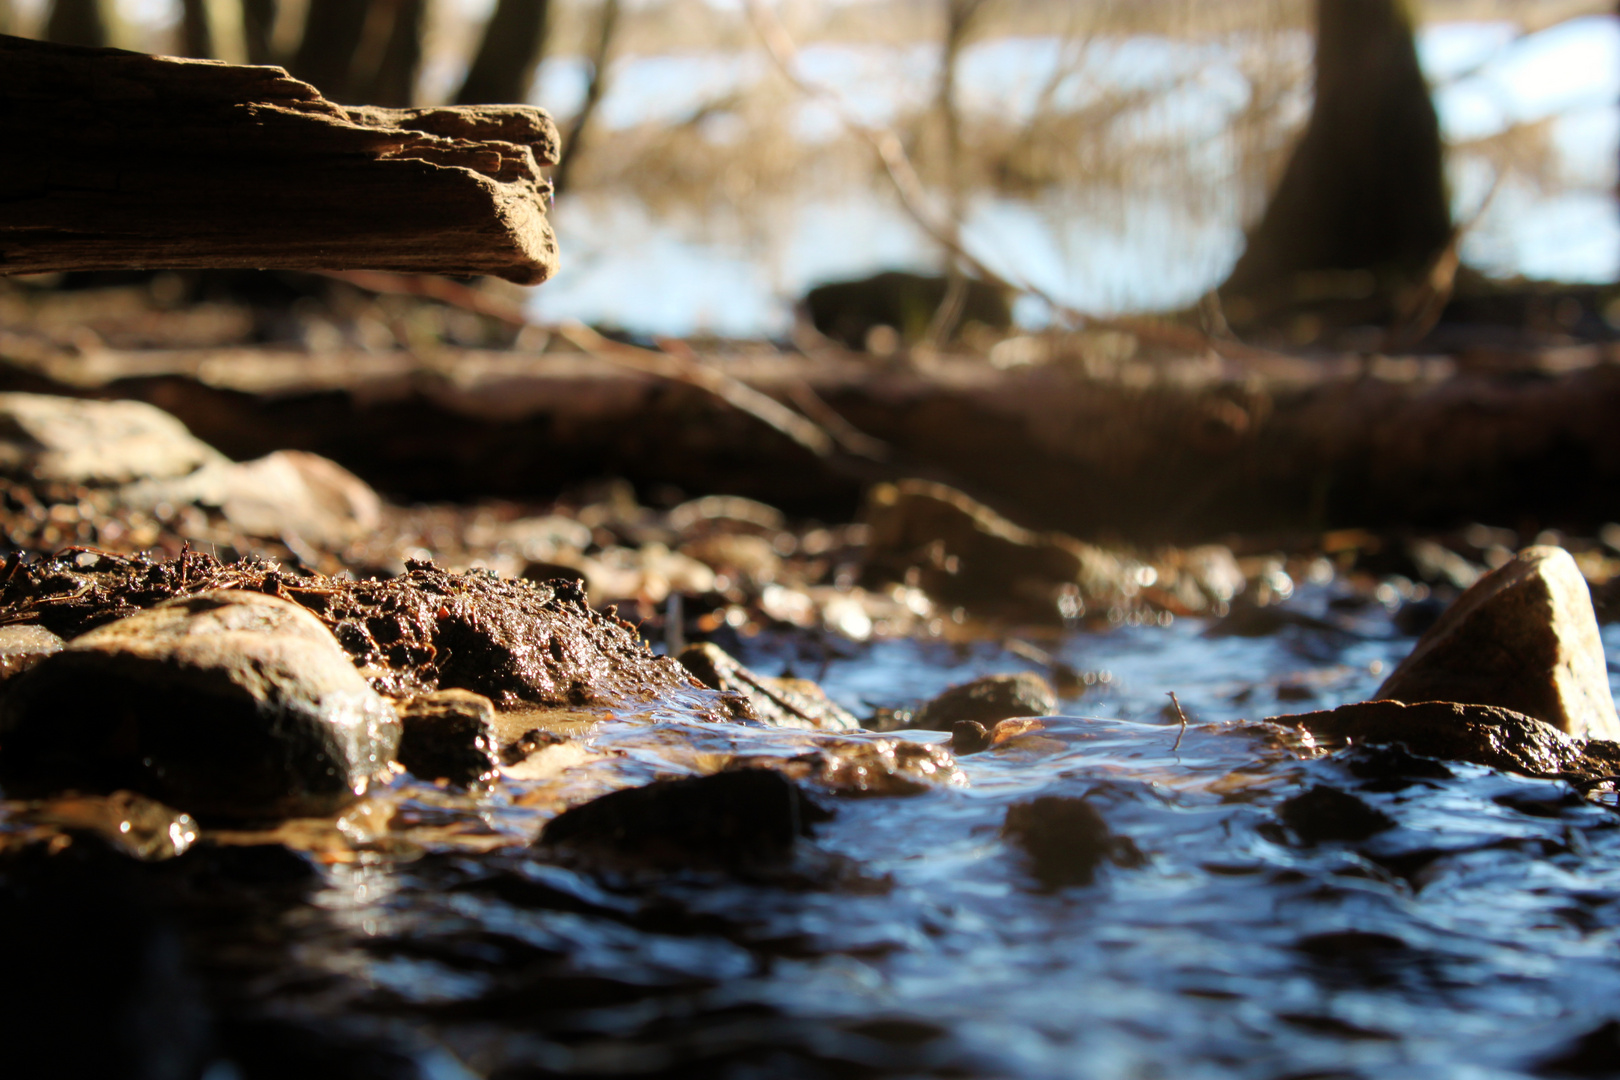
(987, 700)
(225, 704)
(449, 735)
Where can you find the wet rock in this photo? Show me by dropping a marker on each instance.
(1483, 734)
(969, 737)
(739, 820)
(223, 704)
(97, 443)
(132, 824)
(528, 743)
(1066, 840)
(787, 703)
(1323, 813)
(21, 647)
(860, 767)
(449, 735)
(1523, 638)
(98, 972)
(987, 700)
(962, 552)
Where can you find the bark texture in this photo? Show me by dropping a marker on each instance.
(134, 161)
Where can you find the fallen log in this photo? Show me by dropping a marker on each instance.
(120, 160)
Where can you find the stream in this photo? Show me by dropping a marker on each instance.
(1471, 932)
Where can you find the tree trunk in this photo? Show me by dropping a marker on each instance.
(508, 56)
(196, 36)
(258, 27)
(606, 28)
(394, 38)
(1361, 209)
(77, 22)
(332, 33)
(142, 162)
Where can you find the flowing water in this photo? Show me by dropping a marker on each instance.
(1477, 935)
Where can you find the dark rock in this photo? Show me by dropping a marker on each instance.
(1066, 839)
(860, 767)
(962, 552)
(1486, 735)
(847, 311)
(1523, 638)
(1323, 813)
(738, 820)
(969, 737)
(530, 741)
(786, 703)
(81, 923)
(987, 700)
(448, 735)
(1594, 1054)
(224, 704)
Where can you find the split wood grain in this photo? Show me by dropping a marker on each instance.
(118, 160)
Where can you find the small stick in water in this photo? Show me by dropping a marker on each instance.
(1183, 716)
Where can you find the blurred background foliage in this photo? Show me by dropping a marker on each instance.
(1062, 109)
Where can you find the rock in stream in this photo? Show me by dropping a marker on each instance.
(1524, 638)
(226, 704)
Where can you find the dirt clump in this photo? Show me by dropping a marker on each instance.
(518, 643)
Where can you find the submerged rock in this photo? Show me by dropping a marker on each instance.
(1523, 638)
(1323, 813)
(223, 704)
(988, 700)
(785, 703)
(1066, 839)
(449, 735)
(743, 819)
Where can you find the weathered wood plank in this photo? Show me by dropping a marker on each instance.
(118, 160)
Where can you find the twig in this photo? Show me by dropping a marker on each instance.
(733, 392)
(1174, 701)
(1422, 310)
